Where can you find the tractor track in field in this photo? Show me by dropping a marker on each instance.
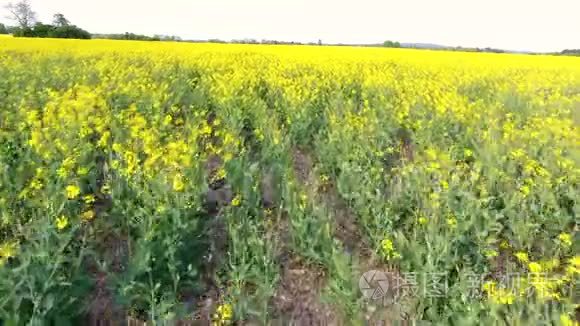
(346, 227)
(103, 308)
(297, 300)
(298, 297)
(349, 233)
(219, 195)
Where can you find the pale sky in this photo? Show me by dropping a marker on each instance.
(536, 25)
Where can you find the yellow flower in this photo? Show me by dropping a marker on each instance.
(489, 286)
(573, 267)
(206, 129)
(7, 250)
(61, 222)
(490, 253)
(88, 215)
(422, 220)
(431, 154)
(167, 120)
(565, 320)
(504, 244)
(36, 185)
(89, 199)
(535, 267)
(178, 184)
(388, 249)
(228, 157)
(132, 161)
(518, 153)
(565, 239)
(468, 152)
(224, 314)
(498, 295)
(387, 245)
(522, 257)
(106, 189)
(575, 261)
(117, 147)
(549, 265)
(452, 222)
(72, 191)
(303, 201)
(545, 288)
(237, 201)
(504, 297)
(220, 174)
(525, 190)
(434, 197)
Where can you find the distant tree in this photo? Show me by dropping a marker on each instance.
(59, 20)
(3, 29)
(571, 52)
(391, 44)
(61, 29)
(22, 32)
(128, 36)
(11, 29)
(41, 30)
(167, 38)
(70, 31)
(21, 12)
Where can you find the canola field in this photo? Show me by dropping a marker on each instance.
(172, 183)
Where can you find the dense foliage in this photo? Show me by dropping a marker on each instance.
(571, 52)
(391, 44)
(135, 37)
(164, 180)
(52, 31)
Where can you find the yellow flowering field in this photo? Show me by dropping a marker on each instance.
(166, 183)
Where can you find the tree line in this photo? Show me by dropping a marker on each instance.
(575, 52)
(28, 26)
(136, 37)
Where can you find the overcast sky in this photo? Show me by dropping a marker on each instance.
(537, 25)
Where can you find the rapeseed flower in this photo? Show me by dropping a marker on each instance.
(178, 183)
(88, 215)
(7, 251)
(237, 200)
(72, 191)
(522, 257)
(61, 223)
(565, 239)
(224, 314)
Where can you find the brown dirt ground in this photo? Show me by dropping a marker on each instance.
(350, 235)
